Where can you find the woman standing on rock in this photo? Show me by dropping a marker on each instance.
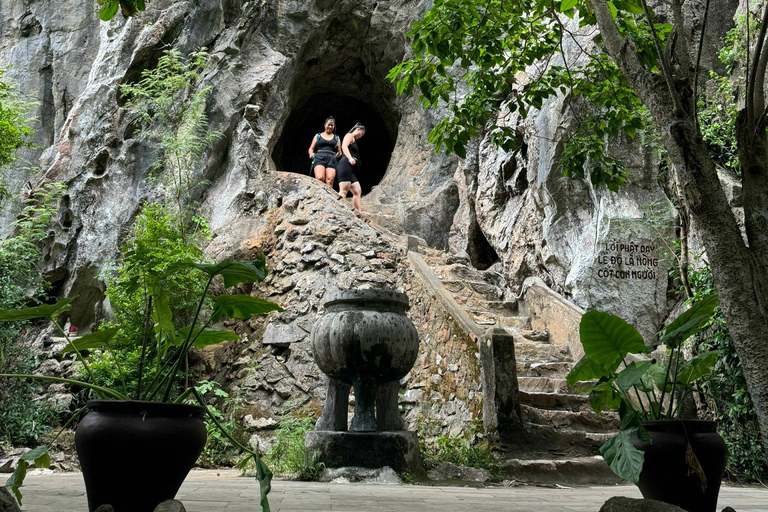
(349, 163)
(324, 151)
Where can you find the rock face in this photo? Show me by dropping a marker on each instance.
(275, 63)
(277, 69)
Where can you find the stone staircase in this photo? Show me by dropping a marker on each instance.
(563, 434)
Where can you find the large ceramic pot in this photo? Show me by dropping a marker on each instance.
(666, 475)
(365, 339)
(135, 455)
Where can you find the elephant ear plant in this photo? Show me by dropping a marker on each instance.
(642, 388)
(164, 347)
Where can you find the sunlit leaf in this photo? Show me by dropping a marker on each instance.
(208, 336)
(241, 307)
(98, 339)
(42, 311)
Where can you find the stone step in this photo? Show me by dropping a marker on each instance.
(563, 401)
(543, 369)
(584, 420)
(564, 471)
(540, 352)
(482, 317)
(550, 385)
(505, 306)
(517, 322)
(558, 442)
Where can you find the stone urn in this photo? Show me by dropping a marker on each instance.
(366, 341)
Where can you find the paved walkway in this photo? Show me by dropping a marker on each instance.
(224, 491)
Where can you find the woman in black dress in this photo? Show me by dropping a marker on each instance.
(349, 163)
(324, 151)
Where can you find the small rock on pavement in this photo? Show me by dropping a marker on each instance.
(7, 501)
(170, 506)
(621, 504)
(443, 471)
(104, 508)
(345, 475)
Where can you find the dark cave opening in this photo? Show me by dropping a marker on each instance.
(307, 119)
(481, 252)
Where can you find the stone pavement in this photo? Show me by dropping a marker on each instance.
(214, 491)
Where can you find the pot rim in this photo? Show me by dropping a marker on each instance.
(674, 425)
(167, 409)
(356, 296)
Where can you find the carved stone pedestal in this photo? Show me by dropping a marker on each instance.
(396, 449)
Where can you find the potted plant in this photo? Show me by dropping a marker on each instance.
(677, 461)
(136, 447)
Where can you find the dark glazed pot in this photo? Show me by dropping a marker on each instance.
(665, 475)
(365, 339)
(135, 455)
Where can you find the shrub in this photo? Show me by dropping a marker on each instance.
(457, 449)
(156, 234)
(15, 129)
(23, 420)
(289, 456)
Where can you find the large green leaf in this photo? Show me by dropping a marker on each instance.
(603, 396)
(690, 322)
(233, 272)
(39, 455)
(241, 307)
(108, 11)
(607, 339)
(633, 374)
(697, 367)
(96, 339)
(42, 311)
(208, 336)
(622, 457)
(162, 316)
(585, 369)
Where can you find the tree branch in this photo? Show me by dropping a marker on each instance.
(759, 59)
(698, 63)
(666, 67)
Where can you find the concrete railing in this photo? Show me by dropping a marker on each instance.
(550, 311)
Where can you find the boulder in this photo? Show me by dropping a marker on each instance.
(170, 506)
(7, 501)
(622, 504)
(356, 474)
(447, 471)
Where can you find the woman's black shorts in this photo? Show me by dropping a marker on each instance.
(325, 159)
(346, 171)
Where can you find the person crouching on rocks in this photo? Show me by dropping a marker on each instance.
(324, 151)
(349, 164)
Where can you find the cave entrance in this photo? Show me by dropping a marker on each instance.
(341, 72)
(306, 120)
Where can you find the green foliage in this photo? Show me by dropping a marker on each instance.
(475, 56)
(289, 457)
(456, 449)
(726, 391)
(23, 420)
(717, 118)
(108, 8)
(218, 451)
(169, 108)
(154, 246)
(640, 388)
(161, 341)
(15, 129)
